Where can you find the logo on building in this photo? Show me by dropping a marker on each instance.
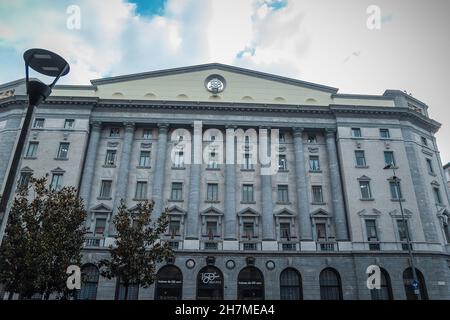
(215, 83)
(211, 278)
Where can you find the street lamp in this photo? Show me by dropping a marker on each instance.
(414, 285)
(49, 64)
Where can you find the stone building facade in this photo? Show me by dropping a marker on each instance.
(308, 230)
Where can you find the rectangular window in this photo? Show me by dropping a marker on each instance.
(248, 165)
(141, 190)
(174, 228)
(317, 194)
(110, 158)
(100, 224)
(144, 159)
(69, 123)
(212, 162)
(211, 229)
(179, 159)
(247, 193)
(389, 158)
(437, 195)
(430, 166)
(32, 149)
(356, 132)
(402, 229)
(105, 190)
(39, 123)
(360, 158)
(147, 133)
(285, 231)
(24, 180)
(249, 230)
(396, 191)
(283, 194)
(314, 163)
(63, 150)
(424, 141)
(321, 231)
(212, 192)
(56, 183)
(312, 138)
(177, 191)
(371, 229)
(114, 132)
(384, 133)
(282, 162)
(365, 190)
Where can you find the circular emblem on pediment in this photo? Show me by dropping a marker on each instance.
(215, 83)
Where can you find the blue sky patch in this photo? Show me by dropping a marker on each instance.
(277, 4)
(149, 7)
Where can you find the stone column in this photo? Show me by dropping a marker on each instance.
(194, 184)
(336, 187)
(304, 218)
(89, 165)
(230, 186)
(159, 173)
(268, 226)
(124, 166)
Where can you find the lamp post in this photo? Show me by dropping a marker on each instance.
(408, 239)
(49, 64)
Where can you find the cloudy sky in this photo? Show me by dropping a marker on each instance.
(326, 42)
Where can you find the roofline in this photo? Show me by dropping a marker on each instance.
(394, 92)
(361, 96)
(220, 66)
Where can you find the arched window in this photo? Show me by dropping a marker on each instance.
(250, 284)
(89, 282)
(132, 293)
(385, 291)
(407, 282)
(169, 283)
(209, 284)
(330, 285)
(290, 285)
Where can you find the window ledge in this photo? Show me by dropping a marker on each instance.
(248, 202)
(397, 200)
(394, 167)
(104, 198)
(368, 199)
(318, 203)
(175, 200)
(30, 158)
(283, 170)
(212, 201)
(212, 169)
(61, 159)
(139, 199)
(357, 138)
(284, 202)
(143, 167)
(109, 166)
(178, 168)
(247, 169)
(315, 171)
(361, 167)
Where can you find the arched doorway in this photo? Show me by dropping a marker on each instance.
(407, 281)
(385, 291)
(90, 275)
(169, 283)
(290, 285)
(210, 284)
(250, 284)
(330, 285)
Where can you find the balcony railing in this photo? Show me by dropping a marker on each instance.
(94, 241)
(327, 246)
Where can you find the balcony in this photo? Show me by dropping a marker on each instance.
(327, 246)
(94, 241)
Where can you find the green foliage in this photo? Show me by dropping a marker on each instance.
(44, 235)
(138, 248)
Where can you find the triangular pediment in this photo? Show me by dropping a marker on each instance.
(101, 208)
(191, 84)
(176, 210)
(212, 211)
(248, 212)
(284, 213)
(320, 213)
